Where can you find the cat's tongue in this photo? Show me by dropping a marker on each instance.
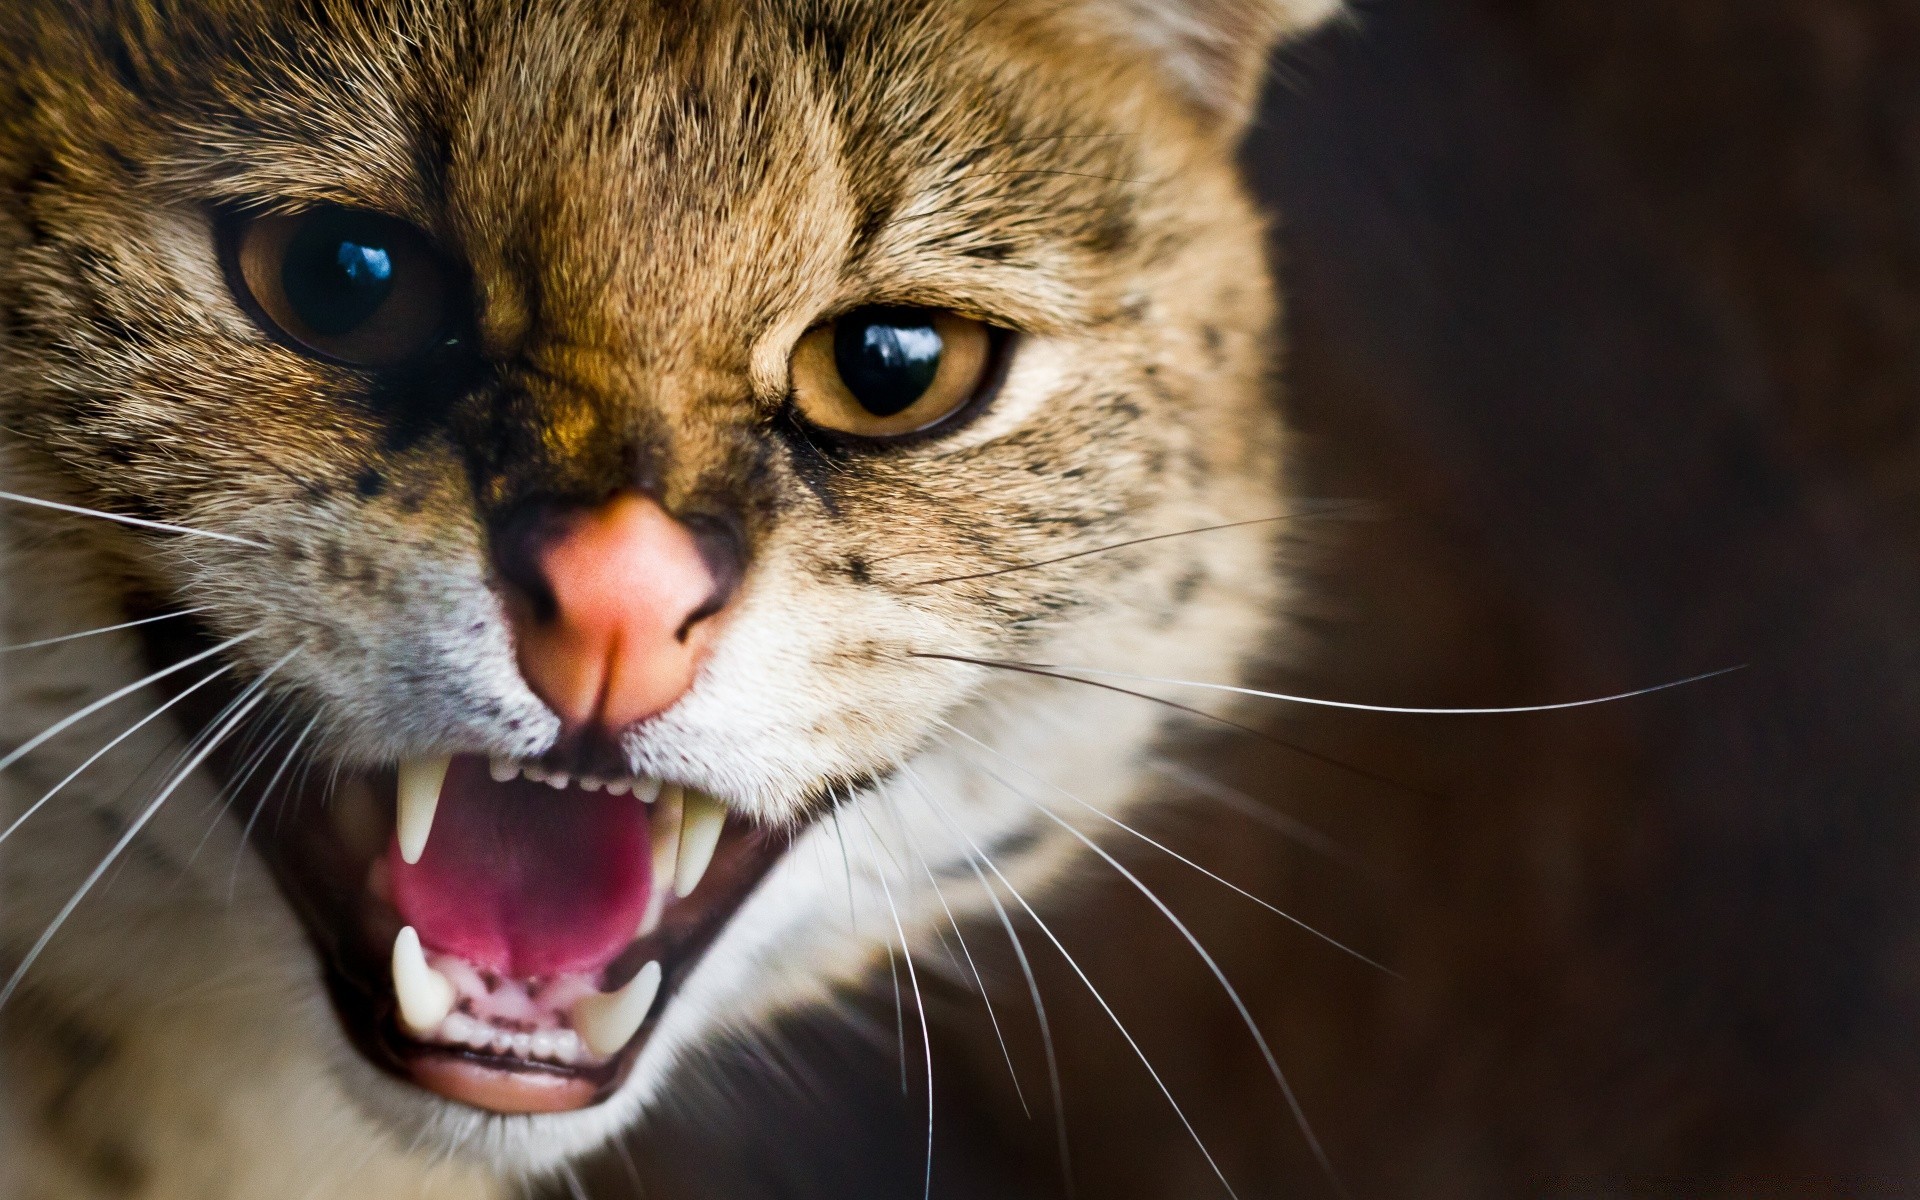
(526, 880)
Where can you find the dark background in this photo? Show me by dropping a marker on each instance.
(1610, 307)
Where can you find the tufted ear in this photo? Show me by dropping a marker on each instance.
(1214, 51)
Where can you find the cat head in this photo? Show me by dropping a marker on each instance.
(607, 448)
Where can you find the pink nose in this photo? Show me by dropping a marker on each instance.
(628, 624)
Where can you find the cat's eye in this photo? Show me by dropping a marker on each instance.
(350, 286)
(891, 372)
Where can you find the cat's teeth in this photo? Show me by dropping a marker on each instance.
(620, 787)
(503, 770)
(668, 817)
(589, 784)
(700, 832)
(419, 797)
(607, 1022)
(559, 781)
(647, 790)
(425, 995)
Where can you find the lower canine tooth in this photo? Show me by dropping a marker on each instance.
(425, 995)
(700, 832)
(608, 1022)
(419, 797)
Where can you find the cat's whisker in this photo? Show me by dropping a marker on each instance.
(266, 794)
(255, 755)
(1327, 510)
(1316, 702)
(1233, 994)
(920, 1008)
(256, 691)
(140, 522)
(1176, 855)
(899, 1005)
(1237, 801)
(846, 865)
(103, 751)
(1293, 747)
(986, 996)
(982, 857)
(1033, 990)
(69, 721)
(74, 637)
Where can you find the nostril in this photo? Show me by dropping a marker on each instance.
(518, 540)
(723, 549)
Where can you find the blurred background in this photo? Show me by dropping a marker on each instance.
(1610, 310)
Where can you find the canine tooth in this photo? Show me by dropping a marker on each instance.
(607, 1022)
(426, 996)
(667, 820)
(589, 784)
(700, 830)
(503, 770)
(419, 797)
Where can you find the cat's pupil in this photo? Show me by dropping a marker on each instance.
(337, 276)
(888, 358)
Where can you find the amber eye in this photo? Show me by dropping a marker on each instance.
(890, 372)
(355, 287)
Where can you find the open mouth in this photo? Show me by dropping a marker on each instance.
(505, 936)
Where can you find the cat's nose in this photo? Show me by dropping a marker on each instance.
(613, 608)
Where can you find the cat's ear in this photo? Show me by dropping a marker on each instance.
(1214, 52)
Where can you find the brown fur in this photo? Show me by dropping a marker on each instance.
(653, 201)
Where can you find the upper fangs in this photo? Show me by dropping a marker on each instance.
(418, 799)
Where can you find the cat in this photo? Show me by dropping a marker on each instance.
(537, 535)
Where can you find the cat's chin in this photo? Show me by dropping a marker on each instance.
(517, 961)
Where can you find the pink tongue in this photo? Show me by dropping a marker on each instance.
(526, 880)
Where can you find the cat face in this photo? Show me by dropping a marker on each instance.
(822, 323)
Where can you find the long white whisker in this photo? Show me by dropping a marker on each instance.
(1379, 708)
(920, 1008)
(224, 799)
(293, 752)
(1033, 990)
(899, 1005)
(846, 865)
(74, 637)
(1139, 1053)
(65, 723)
(103, 751)
(986, 997)
(1233, 994)
(1238, 801)
(256, 689)
(1176, 855)
(163, 526)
